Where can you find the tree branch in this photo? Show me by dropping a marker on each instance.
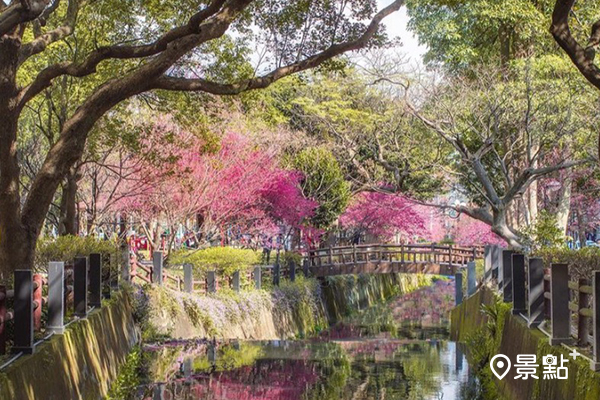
(18, 12)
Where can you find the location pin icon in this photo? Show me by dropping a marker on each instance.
(498, 364)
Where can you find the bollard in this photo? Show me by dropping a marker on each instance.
(559, 304)
(276, 272)
(95, 279)
(188, 278)
(2, 319)
(211, 281)
(471, 278)
(236, 281)
(458, 289)
(506, 273)
(23, 314)
(157, 267)
(56, 297)
(536, 292)
(305, 265)
(595, 363)
(80, 273)
(518, 284)
(292, 270)
(258, 277)
(37, 302)
(487, 266)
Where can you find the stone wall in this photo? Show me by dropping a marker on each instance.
(79, 364)
(513, 337)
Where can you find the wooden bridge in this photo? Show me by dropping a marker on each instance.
(391, 258)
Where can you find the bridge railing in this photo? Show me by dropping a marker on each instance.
(549, 297)
(400, 253)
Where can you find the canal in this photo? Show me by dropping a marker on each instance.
(398, 350)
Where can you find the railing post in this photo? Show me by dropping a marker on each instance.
(536, 292)
(157, 267)
(211, 281)
(292, 270)
(276, 273)
(458, 288)
(471, 278)
(2, 319)
(450, 261)
(95, 280)
(518, 284)
(506, 272)
(188, 278)
(258, 277)
(401, 254)
(125, 263)
(56, 297)
(23, 316)
(37, 302)
(559, 303)
(236, 281)
(582, 321)
(305, 268)
(80, 277)
(595, 364)
(330, 256)
(487, 263)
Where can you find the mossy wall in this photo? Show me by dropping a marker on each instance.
(79, 364)
(293, 310)
(513, 338)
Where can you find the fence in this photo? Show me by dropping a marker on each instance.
(545, 296)
(78, 287)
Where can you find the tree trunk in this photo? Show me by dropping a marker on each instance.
(69, 224)
(564, 205)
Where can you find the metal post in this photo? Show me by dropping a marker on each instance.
(236, 281)
(536, 292)
(258, 277)
(487, 263)
(211, 281)
(559, 303)
(506, 272)
(458, 288)
(80, 277)
(595, 364)
(471, 278)
(95, 280)
(292, 270)
(305, 269)
(157, 267)
(276, 273)
(518, 284)
(56, 297)
(188, 278)
(23, 316)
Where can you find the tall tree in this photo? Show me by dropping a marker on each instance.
(158, 48)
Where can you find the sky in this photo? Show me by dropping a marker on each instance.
(396, 25)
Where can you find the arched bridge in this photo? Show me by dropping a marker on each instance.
(391, 258)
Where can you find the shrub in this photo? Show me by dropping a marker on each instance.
(66, 248)
(224, 260)
(581, 262)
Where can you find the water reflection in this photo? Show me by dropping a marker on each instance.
(339, 369)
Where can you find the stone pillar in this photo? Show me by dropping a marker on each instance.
(305, 270)
(292, 270)
(560, 314)
(518, 284)
(235, 281)
(471, 278)
(23, 312)
(506, 272)
(276, 272)
(80, 287)
(536, 292)
(458, 289)
(56, 297)
(188, 278)
(211, 281)
(258, 277)
(157, 267)
(496, 260)
(95, 280)
(487, 266)
(595, 364)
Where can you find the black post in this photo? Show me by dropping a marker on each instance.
(292, 270)
(276, 272)
(95, 280)
(211, 281)
(236, 281)
(80, 276)
(506, 272)
(305, 265)
(559, 303)
(188, 282)
(458, 288)
(518, 284)
(536, 292)
(23, 317)
(56, 297)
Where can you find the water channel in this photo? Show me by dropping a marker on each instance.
(360, 359)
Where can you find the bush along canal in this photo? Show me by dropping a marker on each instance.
(367, 337)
